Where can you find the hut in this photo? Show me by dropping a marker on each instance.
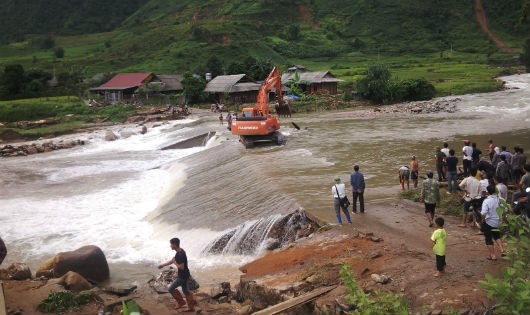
(235, 89)
(318, 82)
(122, 87)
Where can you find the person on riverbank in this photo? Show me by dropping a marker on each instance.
(525, 180)
(467, 150)
(221, 119)
(518, 162)
(3, 251)
(491, 222)
(445, 151)
(475, 155)
(357, 187)
(491, 149)
(403, 175)
(496, 157)
(430, 194)
(439, 158)
(472, 189)
(439, 240)
(229, 121)
(452, 172)
(183, 274)
(414, 170)
(502, 173)
(338, 191)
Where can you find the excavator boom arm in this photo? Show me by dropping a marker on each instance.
(273, 80)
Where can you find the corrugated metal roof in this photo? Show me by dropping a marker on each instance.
(311, 77)
(126, 80)
(223, 83)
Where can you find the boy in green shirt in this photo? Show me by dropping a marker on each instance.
(438, 239)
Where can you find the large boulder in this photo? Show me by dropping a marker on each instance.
(89, 261)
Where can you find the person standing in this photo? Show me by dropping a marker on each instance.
(502, 173)
(518, 162)
(3, 251)
(221, 119)
(183, 274)
(475, 155)
(467, 150)
(525, 180)
(414, 170)
(445, 151)
(439, 158)
(452, 172)
(339, 193)
(430, 194)
(438, 239)
(491, 222)
(229, 121)
(491, 149)
(357, 187)
(472, 187)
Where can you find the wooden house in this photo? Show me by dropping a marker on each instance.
(318, 82)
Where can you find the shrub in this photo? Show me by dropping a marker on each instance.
(511, 289)
(62, 301)
(371, 304)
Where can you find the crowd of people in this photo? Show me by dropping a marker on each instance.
(484, 181)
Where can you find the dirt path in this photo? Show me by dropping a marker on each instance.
(404, 254)
(482, 20)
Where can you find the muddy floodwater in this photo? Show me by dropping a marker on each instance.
(130, 197)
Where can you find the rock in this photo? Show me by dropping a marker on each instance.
(89, 261)
(311, 279)
(223, 289)
(436, 312)
(382, 279)
(245, 310)
(273, 244)
(120, 291)
(254, 292)
(223, 299)
(376, 239)
(72, 281)
(376, 255)
(110, 136)
(127, 134)
(144, 130)
(18, 271)
(31, 149)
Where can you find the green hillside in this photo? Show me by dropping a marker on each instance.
(177, 36)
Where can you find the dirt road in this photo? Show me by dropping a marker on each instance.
(482, 20)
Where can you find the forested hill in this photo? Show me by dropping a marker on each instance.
(67, 17)
(181, 34)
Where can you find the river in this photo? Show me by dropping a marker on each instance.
(129, 197)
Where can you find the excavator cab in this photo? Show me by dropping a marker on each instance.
(256, 124)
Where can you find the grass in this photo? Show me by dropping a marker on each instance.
(449, 204)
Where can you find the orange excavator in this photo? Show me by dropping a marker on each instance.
(256, 124)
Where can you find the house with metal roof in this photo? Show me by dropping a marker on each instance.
(318, 82)
(234, 88)
(122, 86)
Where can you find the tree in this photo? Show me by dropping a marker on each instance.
(236, 68)
(525, 57)
(193, 88)
(12, 81)
(58, 52)
(214, 66)
(374, 86)
(47, 43)
(293, 32)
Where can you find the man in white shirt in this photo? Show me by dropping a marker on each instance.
(467, 150)
(339, 193)
(472, 187)
(491, 222)
(502, 189)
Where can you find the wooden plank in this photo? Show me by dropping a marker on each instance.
(3, 310)
(299, 300)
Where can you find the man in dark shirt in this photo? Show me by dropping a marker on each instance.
(183, 274)
(452, 162)
(357, 187)
(439, 158)
(475, 155)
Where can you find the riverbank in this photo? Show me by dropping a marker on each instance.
(391, 239)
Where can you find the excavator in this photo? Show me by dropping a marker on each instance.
(256, 124)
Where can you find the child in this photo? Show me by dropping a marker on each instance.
(438, 239)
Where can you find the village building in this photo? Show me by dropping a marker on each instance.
(234, 89)
(122, 86)
(317, 82)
